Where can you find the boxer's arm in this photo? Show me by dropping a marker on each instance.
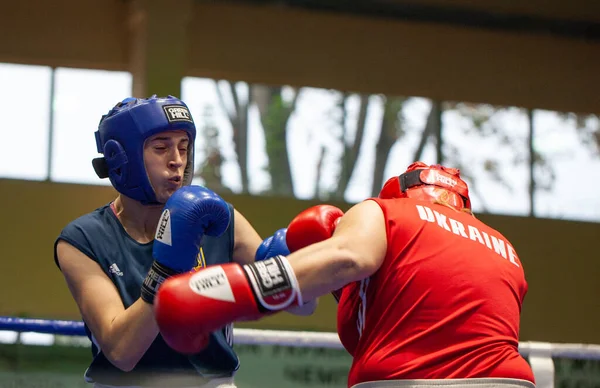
(306, 309)
(124, 335)
(355, 251)
(246, 240)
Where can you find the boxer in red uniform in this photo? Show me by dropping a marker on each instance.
(445, 302)
(430, 295)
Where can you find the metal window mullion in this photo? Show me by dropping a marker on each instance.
(51, 123)
(438, 132)
(531, 151)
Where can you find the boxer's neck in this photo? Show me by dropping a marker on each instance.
(139, 220)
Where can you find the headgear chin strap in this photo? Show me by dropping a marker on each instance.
(121, 135)
(429, 183)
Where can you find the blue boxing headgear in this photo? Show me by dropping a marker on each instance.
(121, 135)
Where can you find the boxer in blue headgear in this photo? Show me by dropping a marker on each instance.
(122, 133)
(108, 259)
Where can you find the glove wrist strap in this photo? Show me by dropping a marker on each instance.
(274, 283)
(156, 276)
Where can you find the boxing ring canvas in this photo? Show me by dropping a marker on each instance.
(36, 353)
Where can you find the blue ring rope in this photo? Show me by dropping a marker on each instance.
(74, 328)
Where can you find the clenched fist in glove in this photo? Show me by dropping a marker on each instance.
(313, 225)
(273, 246)
(193, 304)
(189, 214)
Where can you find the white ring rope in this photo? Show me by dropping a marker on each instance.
(45, 332)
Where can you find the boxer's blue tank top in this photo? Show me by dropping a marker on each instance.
(103, 239)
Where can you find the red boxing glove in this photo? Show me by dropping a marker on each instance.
(313, 225)
(191, 305)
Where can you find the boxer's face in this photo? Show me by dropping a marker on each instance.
(165, 158)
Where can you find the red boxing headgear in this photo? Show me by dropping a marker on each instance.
(429, 183)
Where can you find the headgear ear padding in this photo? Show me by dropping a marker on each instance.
(391, 189)
(116, 160)
(122, 133)
(429, 183)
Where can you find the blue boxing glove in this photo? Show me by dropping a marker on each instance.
(189, 214)
(273, 246)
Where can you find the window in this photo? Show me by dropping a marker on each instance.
(81, 97)
(215, 158)
(314, 129)
(490, 146)
(302, 142)
(389, 146)
(24, 121)
(567, 168)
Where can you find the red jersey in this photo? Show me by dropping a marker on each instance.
(445, 303)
